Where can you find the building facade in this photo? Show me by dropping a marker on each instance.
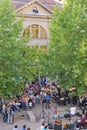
(36, 15)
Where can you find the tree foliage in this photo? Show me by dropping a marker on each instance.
(17, 61)
(67, 55)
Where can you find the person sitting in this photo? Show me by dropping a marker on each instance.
(83, 118)
(28, 128)
(15, 127)
(24, 127)
(72, 111)
(30, 103)
(42, 126)
(45, 128)
(66, 126)
(81, 121)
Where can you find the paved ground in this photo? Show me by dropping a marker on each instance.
(37, 111)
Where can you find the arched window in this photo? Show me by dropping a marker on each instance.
(42, 33)
(26, 31)
(35, 31)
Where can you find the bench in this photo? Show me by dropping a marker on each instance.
(31, 116)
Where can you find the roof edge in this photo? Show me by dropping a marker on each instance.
(17, 10)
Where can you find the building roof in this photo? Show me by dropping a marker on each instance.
(47, 3)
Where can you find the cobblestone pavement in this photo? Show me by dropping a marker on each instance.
(37, 110)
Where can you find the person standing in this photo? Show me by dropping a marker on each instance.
(55, 112)
(9, 113)
(4, 112)
(23, 101)
(48, 101)
(1, 105)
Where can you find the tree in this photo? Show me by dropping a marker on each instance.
(67, 55)
(15, 56)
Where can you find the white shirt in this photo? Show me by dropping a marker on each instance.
(41, 128)
(72, 110)
(30, 104)
(15, 129)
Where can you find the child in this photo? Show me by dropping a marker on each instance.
(55, 112)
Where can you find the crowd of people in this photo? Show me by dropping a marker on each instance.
(44, 93)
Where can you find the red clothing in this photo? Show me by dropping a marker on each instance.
(55, 111)
(82, 120)
(23, 99)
